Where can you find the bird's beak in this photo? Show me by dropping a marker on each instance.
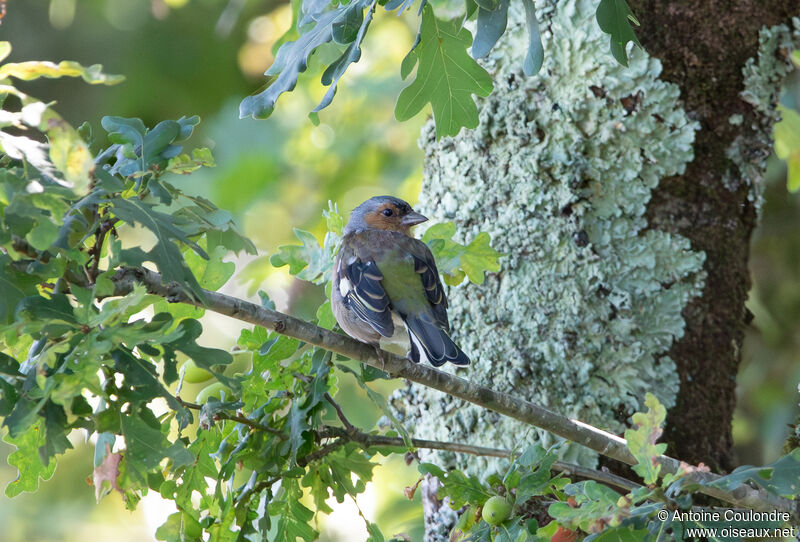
(412, 219)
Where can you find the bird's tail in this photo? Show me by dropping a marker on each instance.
(432, 344)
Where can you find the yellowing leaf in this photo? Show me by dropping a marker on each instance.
(26, 460)
(642, 439)
(5, 50)
(28, 71)
(68, 151)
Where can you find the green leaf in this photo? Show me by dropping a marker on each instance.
(188, 331)
(614, 18)
(642, 439)
(68, 151)
(490, 26)
(180, 527)
(325, 316)
(165, 254)
(14, 286)
(309, 261)
(375, 534)
(479, 257)
(41, 310)
(461, 488)
(455, 260)
(293, 517)
(408, 63)
(596, 502)
(212, 273)
(343, 464)
(299, 428)
(780, 478)
(138, 149)
(183, 164)
(535, 55)
(292, 57)
(43, 234)
(380, 401)
(28, 71)
(146, 446)
(27, 462)
(352, 29)
(447, 77)
(392, 5)
(787, 145)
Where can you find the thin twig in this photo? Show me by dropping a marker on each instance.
(104, 227)
(236, 418)
(322, 452)
(349, 427)
(367, 441)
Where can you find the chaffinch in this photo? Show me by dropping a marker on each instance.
(386, 288)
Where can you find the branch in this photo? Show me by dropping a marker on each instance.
(574, 430)
(367, 441)
(222, 415)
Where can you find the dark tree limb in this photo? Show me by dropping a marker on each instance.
(703, 46)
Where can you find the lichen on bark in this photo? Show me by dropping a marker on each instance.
(559, 172)
(763, 76)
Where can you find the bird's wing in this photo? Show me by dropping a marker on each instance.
(360, 286)
(425, 266)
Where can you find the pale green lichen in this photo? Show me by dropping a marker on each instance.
(763, 76)
(559, 172)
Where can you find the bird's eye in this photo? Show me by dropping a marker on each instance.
(387, 212)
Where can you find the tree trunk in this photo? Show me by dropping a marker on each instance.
(623, 200)
(705, 47)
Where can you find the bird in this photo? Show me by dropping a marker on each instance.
(386, 288)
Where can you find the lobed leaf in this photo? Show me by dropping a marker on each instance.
(351, 30)
(290, 62)
(642, 439)
(447, 77)
(455, 260)
(28, 71)
(614, 18)
(781, 478)
(26, 460)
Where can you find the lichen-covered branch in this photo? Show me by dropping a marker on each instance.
(600, 441)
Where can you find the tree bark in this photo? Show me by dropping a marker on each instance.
(704, 46)
(624, 200)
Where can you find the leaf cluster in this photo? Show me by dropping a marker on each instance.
(78, 350)
(447, 73)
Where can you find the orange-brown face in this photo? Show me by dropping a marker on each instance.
(390, 216)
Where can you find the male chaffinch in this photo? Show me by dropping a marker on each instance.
(386, 288)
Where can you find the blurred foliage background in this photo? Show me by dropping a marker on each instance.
(186, 57)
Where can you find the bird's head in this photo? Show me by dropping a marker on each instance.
(384, 213)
